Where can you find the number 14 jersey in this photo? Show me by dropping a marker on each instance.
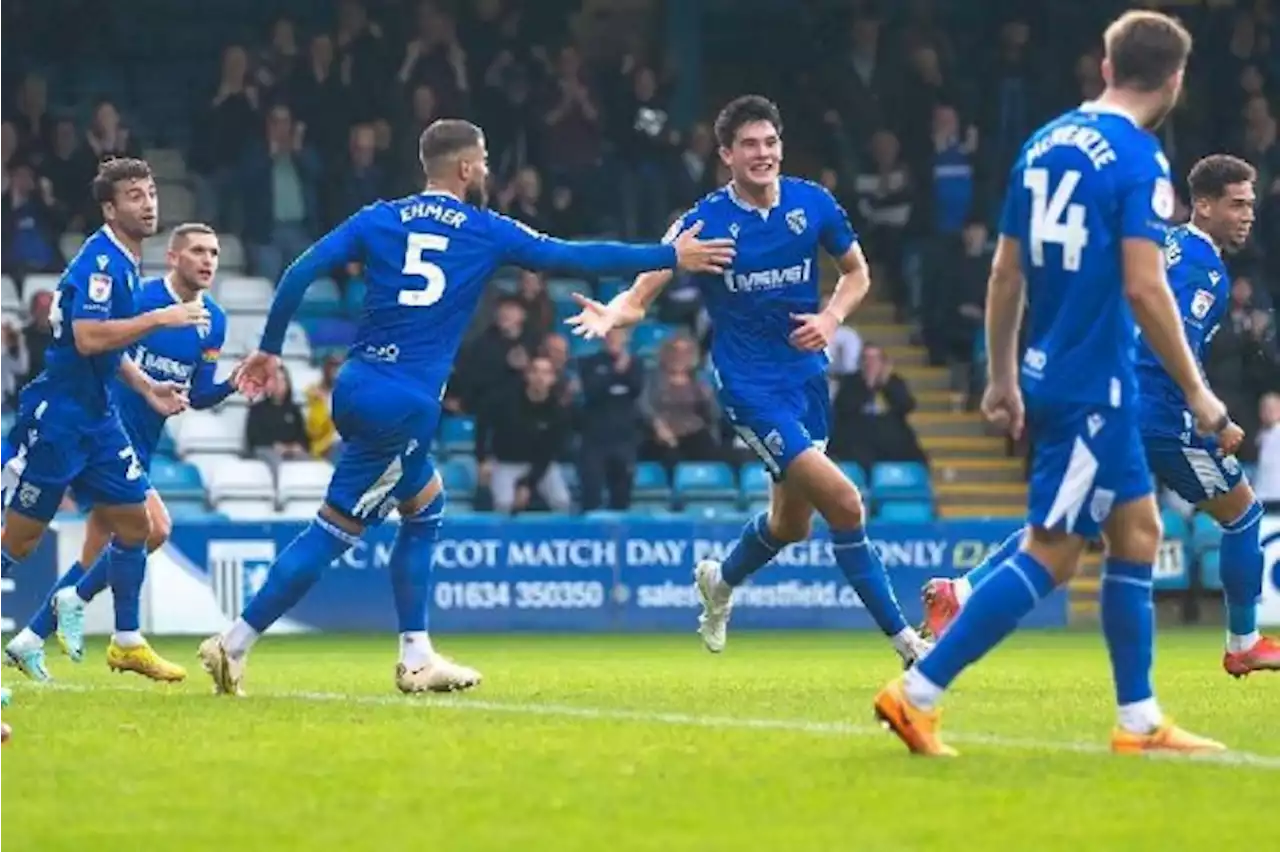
(1082, 184)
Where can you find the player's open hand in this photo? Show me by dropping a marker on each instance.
(168, 398)
(1002, 406)
(184, 314)
(813, 331)
(258, 375)
(1231, 438)
(596, 319)
(695, 255)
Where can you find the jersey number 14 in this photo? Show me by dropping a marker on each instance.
(1054, 218)
(415, 263)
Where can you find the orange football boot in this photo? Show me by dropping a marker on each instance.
(1166, 738)
(1263, 656)
(918, 729)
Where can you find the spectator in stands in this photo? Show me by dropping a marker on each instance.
(1267, 479)
(422, 111)
(276, 430)
(863, 82)
(680, 407)
(646, 150)
(513, 117)
(519, 440)
(572, 140)
(280, 180)
(1011, 109)
(845, 349)
(566, 218)
(8, 149)
(221, 136)
(870, 414)
(31, 119)
(695, 172)
(322, 100)
(495, 361)
(1242, 362)
(362, 54)
(37, 334)
(612, 381)
(15, 364)
(322, 435)
(70, 168)
(435, 57)
(107, 137)
(555, 348)
(539, 310)
(279, 60)
(30, 224)
(361, 180)
(522, 199)
(884, 208)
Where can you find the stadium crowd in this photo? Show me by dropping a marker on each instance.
(297, 128)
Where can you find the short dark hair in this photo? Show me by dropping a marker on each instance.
(113, 171)
(1146, 49)
(1211, 176)
(186, 229)
(445, 137)
(745, 110)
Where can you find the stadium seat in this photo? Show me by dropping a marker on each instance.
(248, 510)
(302, 480)
(1205, 533)
(322, 299)
(648, 336)
(1175, 526)
(33, 284)
(211, 432)
(717, 511)
(188, 510)
(905, 512)
(580, 347)
(649, 482)
(230, 254)
(9, 297)
(703, 481)
(300, 510)
(243, 332)
(296, 343)
(564, 288)
(459, 477)
(302, 375)
(901, 481)
(856, 475)
(244, 294)
(240, 479)
(610, 287)
(755, 481)
(457, 434)
(155, 252)
(176, 480)
(1211, 569)
(178, 204)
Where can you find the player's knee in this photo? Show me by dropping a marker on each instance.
(132, 527)
(845, 511)
(161, 528)
(20, 536)
(1139, 541)
(789, 528)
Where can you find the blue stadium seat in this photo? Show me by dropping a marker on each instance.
(901, 481)
(580, 347)
(459, 476)
(165, 446)
(457, 434)
(189, 510)
(649, 482)
(1211, 569)
(610, 287)
(754, 480)
(176, 480)
(856, 475)
(703, 481)
(719, 510)
(648, 336)
(1205, 533)
(563, 288)
(1175, 526)
(353, 298)
(322, 299)
(906, 512)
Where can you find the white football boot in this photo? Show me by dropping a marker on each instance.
(439, 675)
(717, 604)
(226, 671)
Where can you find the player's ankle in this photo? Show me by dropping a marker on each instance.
(1240, 643)
(239, 638)
(25, 640)
(128, 639)
(1140, 717)
(415, 649)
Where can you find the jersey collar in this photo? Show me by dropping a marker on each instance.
(1109, 109)
(748, 206)
(125, 250)
(1192, 229)
(446, 193)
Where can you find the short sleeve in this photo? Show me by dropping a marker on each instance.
(1010, 220)
(836, 232)
(1147, 200)
(211, 348)
(92, 293)
(677, 226)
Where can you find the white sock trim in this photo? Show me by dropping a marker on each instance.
(1236, 644)
(1140, 717)
(921, 691)
(415, 648)
(239, 638)
(26, 640)
(128, 638)
(963, 589)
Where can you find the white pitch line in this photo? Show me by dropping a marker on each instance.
(689, 720)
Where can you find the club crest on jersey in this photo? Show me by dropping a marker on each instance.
(796, 221)
(773, 443)
(1201, 302)
(1162, 200)
(28, 494)
(99, 287)
(1100, 505)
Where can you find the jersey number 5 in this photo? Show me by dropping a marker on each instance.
(1054, 219)
(414, 264)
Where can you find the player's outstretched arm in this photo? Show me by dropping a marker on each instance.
(96, 336)
(625, 309)
(527, 248)
(1002, 401)
(1156, 312)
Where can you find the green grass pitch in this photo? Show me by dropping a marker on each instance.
(630, 743)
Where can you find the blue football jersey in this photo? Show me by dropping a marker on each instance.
(98, 284)
(427, 258)
(187, 356)
(1082, 184)
(774, 275)
(1202, 288)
